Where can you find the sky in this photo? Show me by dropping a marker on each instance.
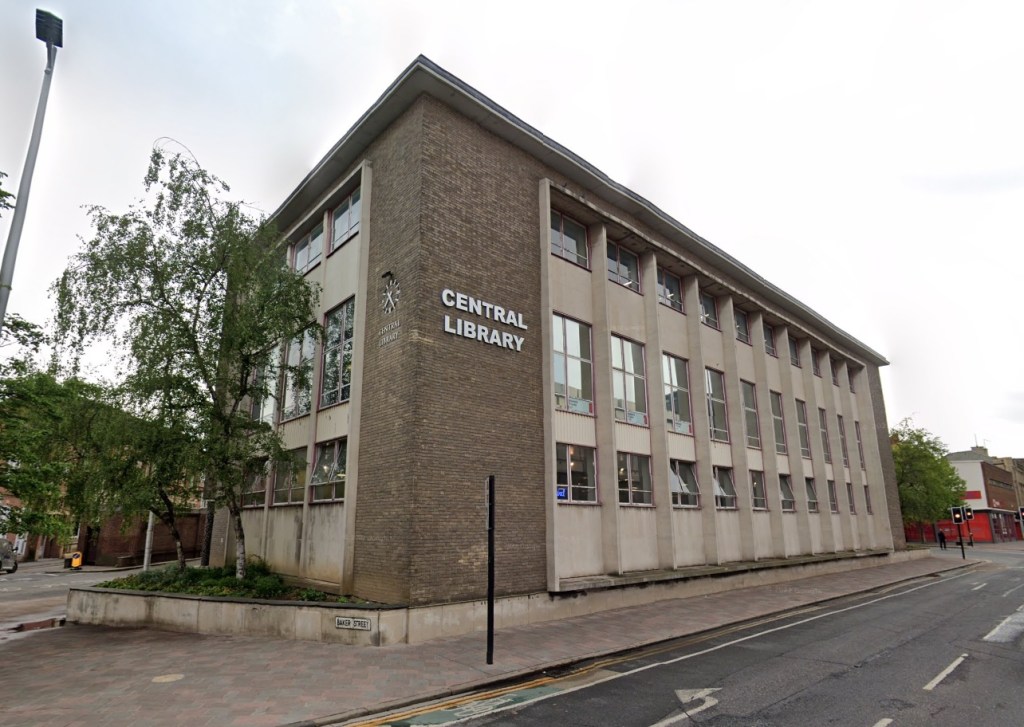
(867, 157)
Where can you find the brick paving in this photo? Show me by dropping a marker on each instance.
(92, 675)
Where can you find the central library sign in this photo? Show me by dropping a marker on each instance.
(475, 330)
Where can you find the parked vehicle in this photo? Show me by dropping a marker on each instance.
(8, 558)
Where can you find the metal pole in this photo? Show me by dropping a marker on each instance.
(147, 554)
(490, 569)
(960, 537)
(18, 221)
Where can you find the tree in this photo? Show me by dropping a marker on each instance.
(190, 291)
(5, 197)
(928, 484)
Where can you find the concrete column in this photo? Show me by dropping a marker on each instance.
(737, 428)
(764, 413)
(701, 431)
(604, 405)
(547, 382)
(818, 471)
(656, 414)
(881, 470)
(840, 472)
(796, 462)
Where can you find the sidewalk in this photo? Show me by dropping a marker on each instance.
(89, 675)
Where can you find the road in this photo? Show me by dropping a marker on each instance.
(39, 591)
(937, 651)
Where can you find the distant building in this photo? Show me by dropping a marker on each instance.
(495, 304)
(990, 492)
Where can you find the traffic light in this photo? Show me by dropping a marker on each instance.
(958, 515)
(1022, 514)
(968, 512)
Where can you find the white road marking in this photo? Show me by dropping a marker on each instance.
(1008, 629)
(945, 673)
(684, 657)
(1012, 590)
(978, 588)
(686, 696)
(882, 722)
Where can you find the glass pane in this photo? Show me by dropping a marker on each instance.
(316, 243)
(574, 339)
(617, 352)
(586, 381)
(639, 395)
(558, 371)
(556, 232)
(619, 391)
(558, 333)
(574, 370)
(575, 240)
(635, 363)
(629, 268)
(562, 466)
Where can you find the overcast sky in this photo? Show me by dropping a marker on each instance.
(877, 145)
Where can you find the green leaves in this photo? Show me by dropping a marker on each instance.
(928, 484)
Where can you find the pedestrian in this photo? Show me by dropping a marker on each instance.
(942, 540)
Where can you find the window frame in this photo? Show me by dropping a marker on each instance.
(742, 334)
(758, 490)
(716, 434)
(815, 364)
(812, 494)
(778, 422)
(354, 199)
(867, 499)
(271, 374)
(558, 248)
(664, 296)
(680, 497)
(674, 422)
(786, 487)
(585, 365)
(826, 448)
(260, 475)
(623, 377)
(345, 348)
(725, 497)
(295, 478)
(794, 352)
(860, 444)
(305, 242)
(849, 497)
(570, 486)
(336, 446)
(842, 441)
(709, 319)
(750, 418)
(833, 497)
(769, 340)
(616, 275)
(802, 429)
(639, 488)
(292, 406)
(835, 371)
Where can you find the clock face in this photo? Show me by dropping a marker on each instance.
(389, 299)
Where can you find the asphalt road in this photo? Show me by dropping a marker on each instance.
(938, 651)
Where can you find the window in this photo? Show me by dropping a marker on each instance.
(842, 442)
(801, 421)
(717, 420)
(786, 492)
(573, 368)
(264, 387)
(742, 325)
(569, 239)
(297, 386)
(860, 444)
(345, 220)
(867, 499)
(778, 422)
(750, 415)
(853, 377)
(629, 387)
(769, 340)
(634, 479)
(683, 484)
(812, 494)
(725, 491)
(849, 496)
(835, 371)
(794, 351)
(815, 364)
(708, 310)
(758, 495)
(670, 290)
(309, 249)
(623, 267)
(823, 424)
(290, 478)
(576, 476)
(328, 479)
(255, 492)
(336, 382)
(833, 496)
(677, 394)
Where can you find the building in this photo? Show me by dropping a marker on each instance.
(990, 492)
(496, 305)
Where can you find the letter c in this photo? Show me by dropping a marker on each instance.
(448, 297)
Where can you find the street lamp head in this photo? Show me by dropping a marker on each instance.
(49, 28)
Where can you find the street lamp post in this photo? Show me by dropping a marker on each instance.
(50, 30)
